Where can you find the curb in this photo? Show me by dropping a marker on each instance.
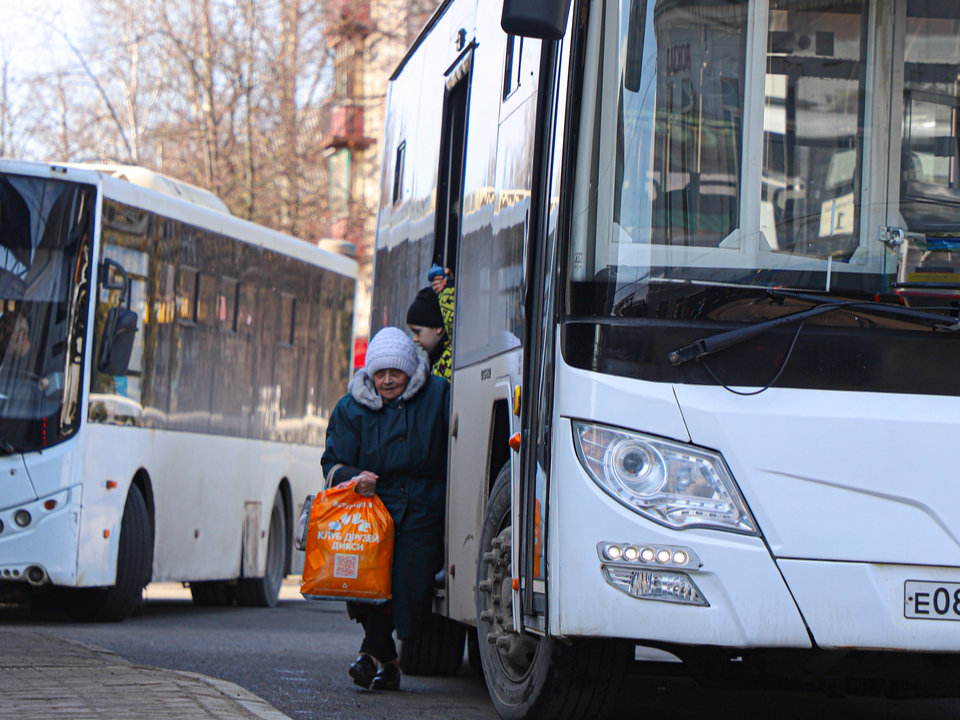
(243, 697)
(254, 703)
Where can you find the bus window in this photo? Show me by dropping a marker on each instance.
(288, 312)
(187, 295)
(207, 300)
(228, 302)
(674, 133)
(929, 161)
(813, 127)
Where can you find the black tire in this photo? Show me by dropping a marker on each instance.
(438, 653)
(530, 676)
(213, 593)
(265, 591)
(473, 652)
(134, 567)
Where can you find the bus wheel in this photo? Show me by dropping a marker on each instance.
(213, 593)
(438, 652)
(134, 561)
(265, 591)
(530, 676)
(473, 652)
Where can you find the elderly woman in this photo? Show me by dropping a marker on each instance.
(390, 434)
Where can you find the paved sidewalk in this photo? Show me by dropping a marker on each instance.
(43, 677)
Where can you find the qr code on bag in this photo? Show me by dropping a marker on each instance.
(345, 566)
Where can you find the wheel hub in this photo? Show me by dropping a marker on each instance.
(515, 650)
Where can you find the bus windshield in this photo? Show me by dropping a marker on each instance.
(729, 147)
(45, 236)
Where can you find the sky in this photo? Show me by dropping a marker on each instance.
(25, 41)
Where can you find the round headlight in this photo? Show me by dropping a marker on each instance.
(636, 466)
(631, 553)
(22, 518)
(663, 556)
(648, 554)
(614, 552)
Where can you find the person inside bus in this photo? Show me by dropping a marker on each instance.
(389, 433)
(14, 336)
(430, 319)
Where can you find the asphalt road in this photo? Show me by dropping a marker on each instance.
(296, 657)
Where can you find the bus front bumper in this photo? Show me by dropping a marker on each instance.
(39, 539)
(877, 606)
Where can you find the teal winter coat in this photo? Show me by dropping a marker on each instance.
(405, 443)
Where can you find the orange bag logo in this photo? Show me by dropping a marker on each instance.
(349, 552)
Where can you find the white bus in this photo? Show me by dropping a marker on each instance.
(707, 263)
(166, 376)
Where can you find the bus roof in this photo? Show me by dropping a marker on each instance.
(174, 205)
(161, 183)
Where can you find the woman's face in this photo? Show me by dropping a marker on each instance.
(390, 383)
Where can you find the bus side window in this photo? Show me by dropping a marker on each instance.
(227, 304)
(187, 293)
(288, 315)
(247, 308)
(511, 65)
(207, 300)
(398, 172)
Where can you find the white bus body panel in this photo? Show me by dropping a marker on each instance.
(198, 505)
(839, 476)
(750, 606)
(475, 390)
(15, 485)
(850, 523)
(50, 542)
(861, 605)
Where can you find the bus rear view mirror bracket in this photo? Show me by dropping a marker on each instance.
(544, 19)
(120, 329)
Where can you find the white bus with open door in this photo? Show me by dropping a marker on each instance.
(707, 265)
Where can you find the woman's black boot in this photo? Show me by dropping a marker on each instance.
(363, 670)
(388, 678)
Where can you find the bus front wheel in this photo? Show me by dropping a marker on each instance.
(134, 566)
(265, 591)
(530, 676)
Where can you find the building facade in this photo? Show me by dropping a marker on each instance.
(368, 38)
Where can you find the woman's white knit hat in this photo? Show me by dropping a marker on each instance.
(391, 348)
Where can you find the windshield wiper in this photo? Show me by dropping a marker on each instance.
(721, 341)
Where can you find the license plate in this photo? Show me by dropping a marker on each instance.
(923, 600)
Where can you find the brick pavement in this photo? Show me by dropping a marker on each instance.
(42, 676)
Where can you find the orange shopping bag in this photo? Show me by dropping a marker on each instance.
(349, 552)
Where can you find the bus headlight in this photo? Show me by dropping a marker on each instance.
(677, 485)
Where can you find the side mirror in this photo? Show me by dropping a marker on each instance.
(544, 19)
(117, 345)
(120, 329)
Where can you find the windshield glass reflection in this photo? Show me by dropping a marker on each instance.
(45, 229)
(700, 168)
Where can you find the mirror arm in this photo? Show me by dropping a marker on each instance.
(105, 283)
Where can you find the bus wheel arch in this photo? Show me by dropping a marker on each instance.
(530, 677)
(499, 452)
(264, 591)
(141, 480)
(134, 567)
(286, 494)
